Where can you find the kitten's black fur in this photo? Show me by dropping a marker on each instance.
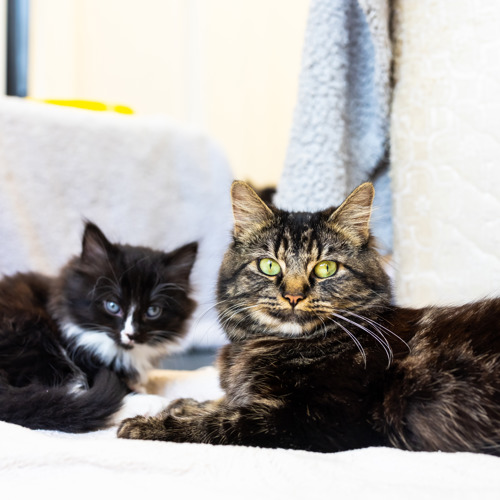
(66, 360)
(328, 363)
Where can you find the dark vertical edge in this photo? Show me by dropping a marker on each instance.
(17, 47)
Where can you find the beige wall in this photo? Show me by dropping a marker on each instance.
(228, 67)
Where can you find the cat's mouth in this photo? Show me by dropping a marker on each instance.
(284, 322)
(127, 347)
(290, 323)
(290, 319)
(289, 314)
(285, 316)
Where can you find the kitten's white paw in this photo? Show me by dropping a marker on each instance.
(146, 405)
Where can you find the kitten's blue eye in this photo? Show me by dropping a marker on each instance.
(153, 312)
(112, 307)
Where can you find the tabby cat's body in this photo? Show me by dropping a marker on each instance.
(320, 359)
(72, 346)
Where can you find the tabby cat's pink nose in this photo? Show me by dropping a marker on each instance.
(293, 299)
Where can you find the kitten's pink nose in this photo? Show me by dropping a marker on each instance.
(294, 299)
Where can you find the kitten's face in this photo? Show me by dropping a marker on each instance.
(132, 295)
(288, 274)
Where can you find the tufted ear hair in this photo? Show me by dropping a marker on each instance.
(95, 246)
(182, 259)
(352, 218)
(249, 210)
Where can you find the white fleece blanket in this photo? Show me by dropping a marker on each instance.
(98, 465)
(143, 179)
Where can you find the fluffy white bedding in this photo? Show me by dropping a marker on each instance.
(57, 465)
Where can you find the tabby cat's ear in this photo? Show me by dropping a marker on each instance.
(182, 260)
(95, 246)
(352, 218)
(249, 211)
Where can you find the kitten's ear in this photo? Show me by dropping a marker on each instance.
(95, 246)
(249, 210)
(353, 216)
(182, 260)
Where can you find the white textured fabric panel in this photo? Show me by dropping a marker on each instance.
(143, 179)
(445, 136)
(340, 124)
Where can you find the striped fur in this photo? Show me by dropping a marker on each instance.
(339, 367)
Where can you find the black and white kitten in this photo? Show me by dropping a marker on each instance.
(72, 346)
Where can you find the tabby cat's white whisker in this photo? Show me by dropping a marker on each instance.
(234, 311)
(354, 339)
(380, 340)
(234, 327)
(205, 312)
(325, 331)
(377, 325)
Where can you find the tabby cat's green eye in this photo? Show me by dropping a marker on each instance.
(269, 267)
(325, 268)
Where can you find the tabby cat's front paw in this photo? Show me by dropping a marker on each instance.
(142, 428)
(183, 407)
(131, 428)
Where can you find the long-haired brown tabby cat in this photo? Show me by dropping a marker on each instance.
(319, 357)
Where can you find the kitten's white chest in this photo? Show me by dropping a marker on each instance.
(140, 358)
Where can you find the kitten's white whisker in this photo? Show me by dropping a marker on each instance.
(112, 288)
(168, 286)
(97, 328)
(134, 264)
(163, 333)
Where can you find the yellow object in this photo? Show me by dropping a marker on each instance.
(92, 105)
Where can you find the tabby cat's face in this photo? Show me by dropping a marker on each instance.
(124, 296)
(289, 274)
